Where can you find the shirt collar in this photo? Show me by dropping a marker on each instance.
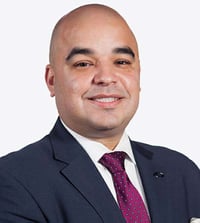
(96, 150)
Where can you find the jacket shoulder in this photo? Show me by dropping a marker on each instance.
(24, 157)
(168, 157)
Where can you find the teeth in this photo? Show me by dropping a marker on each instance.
(106, 99)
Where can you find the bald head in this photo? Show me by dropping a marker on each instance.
(94, 15)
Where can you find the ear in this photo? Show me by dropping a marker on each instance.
(50, 79)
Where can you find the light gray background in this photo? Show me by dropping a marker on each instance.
(169, 42)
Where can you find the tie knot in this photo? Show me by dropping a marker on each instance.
(114, 161)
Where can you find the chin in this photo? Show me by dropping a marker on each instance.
(111, 128)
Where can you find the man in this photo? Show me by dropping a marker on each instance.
(94, 74)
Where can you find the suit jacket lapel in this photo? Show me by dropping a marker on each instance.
(159, 182)
(156, 184)
(84, 176)
(82, 173)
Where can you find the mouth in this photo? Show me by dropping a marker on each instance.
(106, 101)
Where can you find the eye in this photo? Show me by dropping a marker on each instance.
(122, 62)
(83, 64)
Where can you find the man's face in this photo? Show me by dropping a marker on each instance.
(95, 77)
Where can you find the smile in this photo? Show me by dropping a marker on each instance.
(106, 100)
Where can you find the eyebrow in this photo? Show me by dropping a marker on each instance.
(124, 50)
(77, 50)
(87, 51)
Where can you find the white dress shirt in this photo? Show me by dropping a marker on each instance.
(96, 150)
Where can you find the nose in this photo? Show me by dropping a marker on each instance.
(104, 75)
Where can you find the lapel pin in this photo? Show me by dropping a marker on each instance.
(158, 174)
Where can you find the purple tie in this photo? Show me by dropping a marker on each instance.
(129, 199)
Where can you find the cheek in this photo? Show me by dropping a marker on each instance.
(78, 86)
(73, 88)
(132, 83)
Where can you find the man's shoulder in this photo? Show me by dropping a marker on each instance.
(159, 150)
(167, 156)
(26, 156)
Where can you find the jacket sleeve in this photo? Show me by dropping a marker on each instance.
(192, 188)
(16, 203)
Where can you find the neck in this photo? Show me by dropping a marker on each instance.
(110, 142)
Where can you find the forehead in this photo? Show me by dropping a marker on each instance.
(97, 36)
(101, 30)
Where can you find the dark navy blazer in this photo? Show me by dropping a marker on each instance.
(55, 181)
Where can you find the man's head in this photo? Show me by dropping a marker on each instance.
(94, 72)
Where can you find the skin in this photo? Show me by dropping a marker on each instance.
(94, 73)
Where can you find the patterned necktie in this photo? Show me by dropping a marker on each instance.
(129, 199)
